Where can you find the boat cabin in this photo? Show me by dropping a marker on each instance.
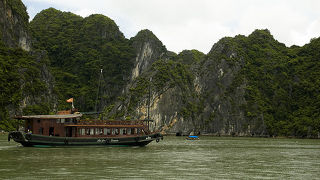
(71, 125)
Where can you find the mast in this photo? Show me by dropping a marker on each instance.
(149, 99)
(101, 76)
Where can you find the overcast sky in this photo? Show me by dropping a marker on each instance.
(198, 24)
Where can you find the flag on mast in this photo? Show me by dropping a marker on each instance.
(71, 101)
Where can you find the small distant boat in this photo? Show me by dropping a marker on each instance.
(192, 138)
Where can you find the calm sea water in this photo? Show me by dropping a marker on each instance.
(172, 158)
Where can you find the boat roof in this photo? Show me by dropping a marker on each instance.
(57, 116)
(106, 125)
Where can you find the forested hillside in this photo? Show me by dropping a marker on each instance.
(245, 86)
(23, 88)
(78, 48)
(281, 84)
(251, 85)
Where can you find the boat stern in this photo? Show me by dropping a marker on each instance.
(157, 137)
(18, 136)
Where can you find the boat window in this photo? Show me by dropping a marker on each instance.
(83, 131)
(92, 131)
(124, 131)
(58, 121)
(101, 131)
(132, 130)
(62, 120)
(105, 131)
(113, 131)
(67, 120)
(138, 131)
(88, 131)
(108, 131)
(40, 130)
(129, 130)
(117, 131)
(51, 131)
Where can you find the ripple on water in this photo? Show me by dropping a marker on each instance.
(173, 158)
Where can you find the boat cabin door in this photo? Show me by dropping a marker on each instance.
(68, 131)
(29, 126)
(51, 131)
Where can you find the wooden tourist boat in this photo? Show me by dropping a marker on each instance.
(70, 130)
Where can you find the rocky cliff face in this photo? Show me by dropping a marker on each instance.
(188, 91)
(244, 86)
(77, 49)
(14, 24)
(207, 105)
(169, 95)
(44, 99)
(222, 114)
(30, 65)
(148, 49)
(192, 92)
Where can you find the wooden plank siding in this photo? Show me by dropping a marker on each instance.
(72, 126)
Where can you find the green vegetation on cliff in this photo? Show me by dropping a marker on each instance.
(304, 65)
(78, 48)
(164, 75)
(20, 9)
(282, 86)
(19, 78)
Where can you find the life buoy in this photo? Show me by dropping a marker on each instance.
(157, 140)
(28, 136)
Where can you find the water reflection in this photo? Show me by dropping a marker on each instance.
(173, 158)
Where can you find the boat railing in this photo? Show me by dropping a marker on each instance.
(110, 122)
